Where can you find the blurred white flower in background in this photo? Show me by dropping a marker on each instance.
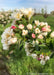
(16, 15)
(34, 55)
(47, 58)
(28, 12)
(37, 41)
(52, 35)
(4, 17)
(5, 47)
(37, 22)
(44, 33)
(41, 56)
(42, 62)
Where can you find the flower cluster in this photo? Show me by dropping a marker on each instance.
(42, 58)
(27, 13)
(8, 38)
(33, 33)
(4, 17)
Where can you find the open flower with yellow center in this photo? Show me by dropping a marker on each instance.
(16, 15)
(37, 30)
(8, 38)
(30, 13)
(19, 16)
(24, 32)
(29, 26)
(40, 36)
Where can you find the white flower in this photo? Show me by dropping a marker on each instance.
(42, 62)
(42, 23)
(4, 41)
(44, 33)
(37, 22)
(8, 21)
(30, 13)
(5, 47)
(34, 55)
(24, 11)
(47, 58)
(33, 42)
(21, 26)
(46, 24)
(16, 15)
(41, 56)
(37, 41)
(12, 40)
(52, 35)
(7, 35)
(40, 36)
(48, 29)
(29, 26)
(37, 30)
(24, 32)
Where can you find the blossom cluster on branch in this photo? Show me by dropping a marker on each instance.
(34, 33)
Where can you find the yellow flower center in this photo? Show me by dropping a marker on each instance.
(7, 35)
(29, 13)
(18, 15)
(6, 42)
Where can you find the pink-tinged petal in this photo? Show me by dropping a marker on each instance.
(43, 29)
(48, 26)
(33, 35)
(34, 27)
(13, 27)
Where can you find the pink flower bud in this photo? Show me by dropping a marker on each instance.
(43, 29)
(33, 35)
(13, 27)
(48, 26)
(34, 27)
